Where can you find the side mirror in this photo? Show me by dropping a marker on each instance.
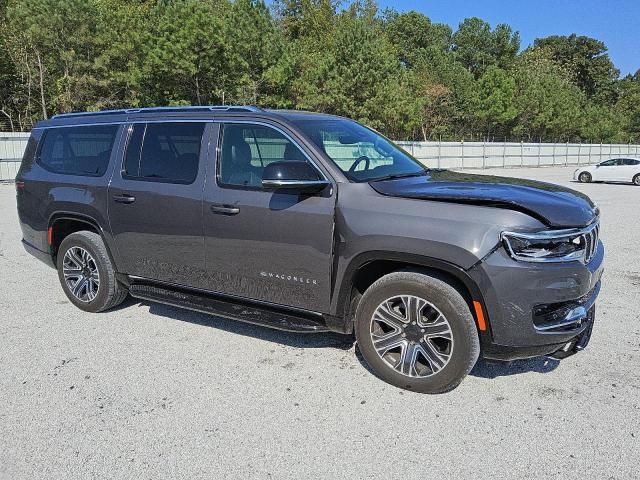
(292, 175)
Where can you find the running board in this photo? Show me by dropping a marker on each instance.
(244, 312)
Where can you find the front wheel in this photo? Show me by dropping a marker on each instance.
(585, 177)
(417, 332)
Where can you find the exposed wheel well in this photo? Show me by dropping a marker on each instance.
(367, 274)
(62, 227)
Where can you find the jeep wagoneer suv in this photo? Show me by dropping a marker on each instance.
(310, 222)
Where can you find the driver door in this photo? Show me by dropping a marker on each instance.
(272, 246)
(606, 171)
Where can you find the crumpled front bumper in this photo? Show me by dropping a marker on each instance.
(537, 309)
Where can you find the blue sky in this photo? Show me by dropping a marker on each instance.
(615, 22)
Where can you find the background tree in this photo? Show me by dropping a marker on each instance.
(399, 72)
(477, 47)
(587, 61)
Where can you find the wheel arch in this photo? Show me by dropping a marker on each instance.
(368, 267)
(63, 224)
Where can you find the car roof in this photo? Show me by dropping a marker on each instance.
(178, 113)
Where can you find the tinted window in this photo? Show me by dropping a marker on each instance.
(609, 163)
(362, 154)
(78, 150)
(165, 152)
(247, 149)
(630, 161)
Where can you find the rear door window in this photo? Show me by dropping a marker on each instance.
(83, 151)
(163, 152)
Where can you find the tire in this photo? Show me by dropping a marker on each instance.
(101, 290)
(406, 291)
(585, 177)
(636, 180)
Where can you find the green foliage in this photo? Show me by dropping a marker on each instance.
(497, 103)
(549, 105)
(477, 47)
(359, 77)
(587, 61)
(416, 39)
(398, 72)
(186, 56)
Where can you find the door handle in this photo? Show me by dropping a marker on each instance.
(124, 198)
(222, 209)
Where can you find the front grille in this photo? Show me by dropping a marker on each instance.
(590, 238)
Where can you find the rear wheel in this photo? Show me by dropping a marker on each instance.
(585, 177)
(416, 332)
(86, 273)
(636, 180)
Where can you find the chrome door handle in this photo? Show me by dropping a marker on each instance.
(124, 198)
(222, 209)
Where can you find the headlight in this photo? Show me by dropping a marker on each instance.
(547, 246)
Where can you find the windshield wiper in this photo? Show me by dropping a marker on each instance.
(393, 176)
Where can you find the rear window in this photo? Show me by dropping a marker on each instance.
(163, 152)
(81, 151)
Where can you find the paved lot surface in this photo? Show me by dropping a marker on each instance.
(149, 391)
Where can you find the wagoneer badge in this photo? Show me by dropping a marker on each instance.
(289, 278)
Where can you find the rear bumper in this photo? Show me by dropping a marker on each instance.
(44, 257)
(537, 309)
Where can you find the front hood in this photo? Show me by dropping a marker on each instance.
(552, 204)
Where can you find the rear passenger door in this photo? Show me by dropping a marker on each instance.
(155, 201)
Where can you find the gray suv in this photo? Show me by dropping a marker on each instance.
(309, 222)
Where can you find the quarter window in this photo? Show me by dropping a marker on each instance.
(247, 149)
(164, 152)
(83, 151)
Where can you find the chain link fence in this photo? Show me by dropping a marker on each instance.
(458, 155)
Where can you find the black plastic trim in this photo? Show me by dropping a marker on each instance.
(344, 294)
(222, 306)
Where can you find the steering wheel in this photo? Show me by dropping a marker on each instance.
(358, 161)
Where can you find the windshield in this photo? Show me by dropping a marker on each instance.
(362, 154)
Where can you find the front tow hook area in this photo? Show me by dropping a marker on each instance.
(578, 343)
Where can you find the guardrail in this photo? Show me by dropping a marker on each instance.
(458, 155)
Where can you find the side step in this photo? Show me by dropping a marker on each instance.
(222, 307)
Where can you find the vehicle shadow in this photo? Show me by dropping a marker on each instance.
(485, 369)
(292, 339)
(491, 370)
(482, 369)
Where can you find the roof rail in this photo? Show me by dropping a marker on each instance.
(195, 108)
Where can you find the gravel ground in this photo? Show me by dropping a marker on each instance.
(150, 391)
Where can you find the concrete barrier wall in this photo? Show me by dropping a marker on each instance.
(494, 154)
(12, 147)
(458, 155)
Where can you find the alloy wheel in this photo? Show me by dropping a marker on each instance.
(81, 274)
(411, 336)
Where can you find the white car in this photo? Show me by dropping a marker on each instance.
(614, 170)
